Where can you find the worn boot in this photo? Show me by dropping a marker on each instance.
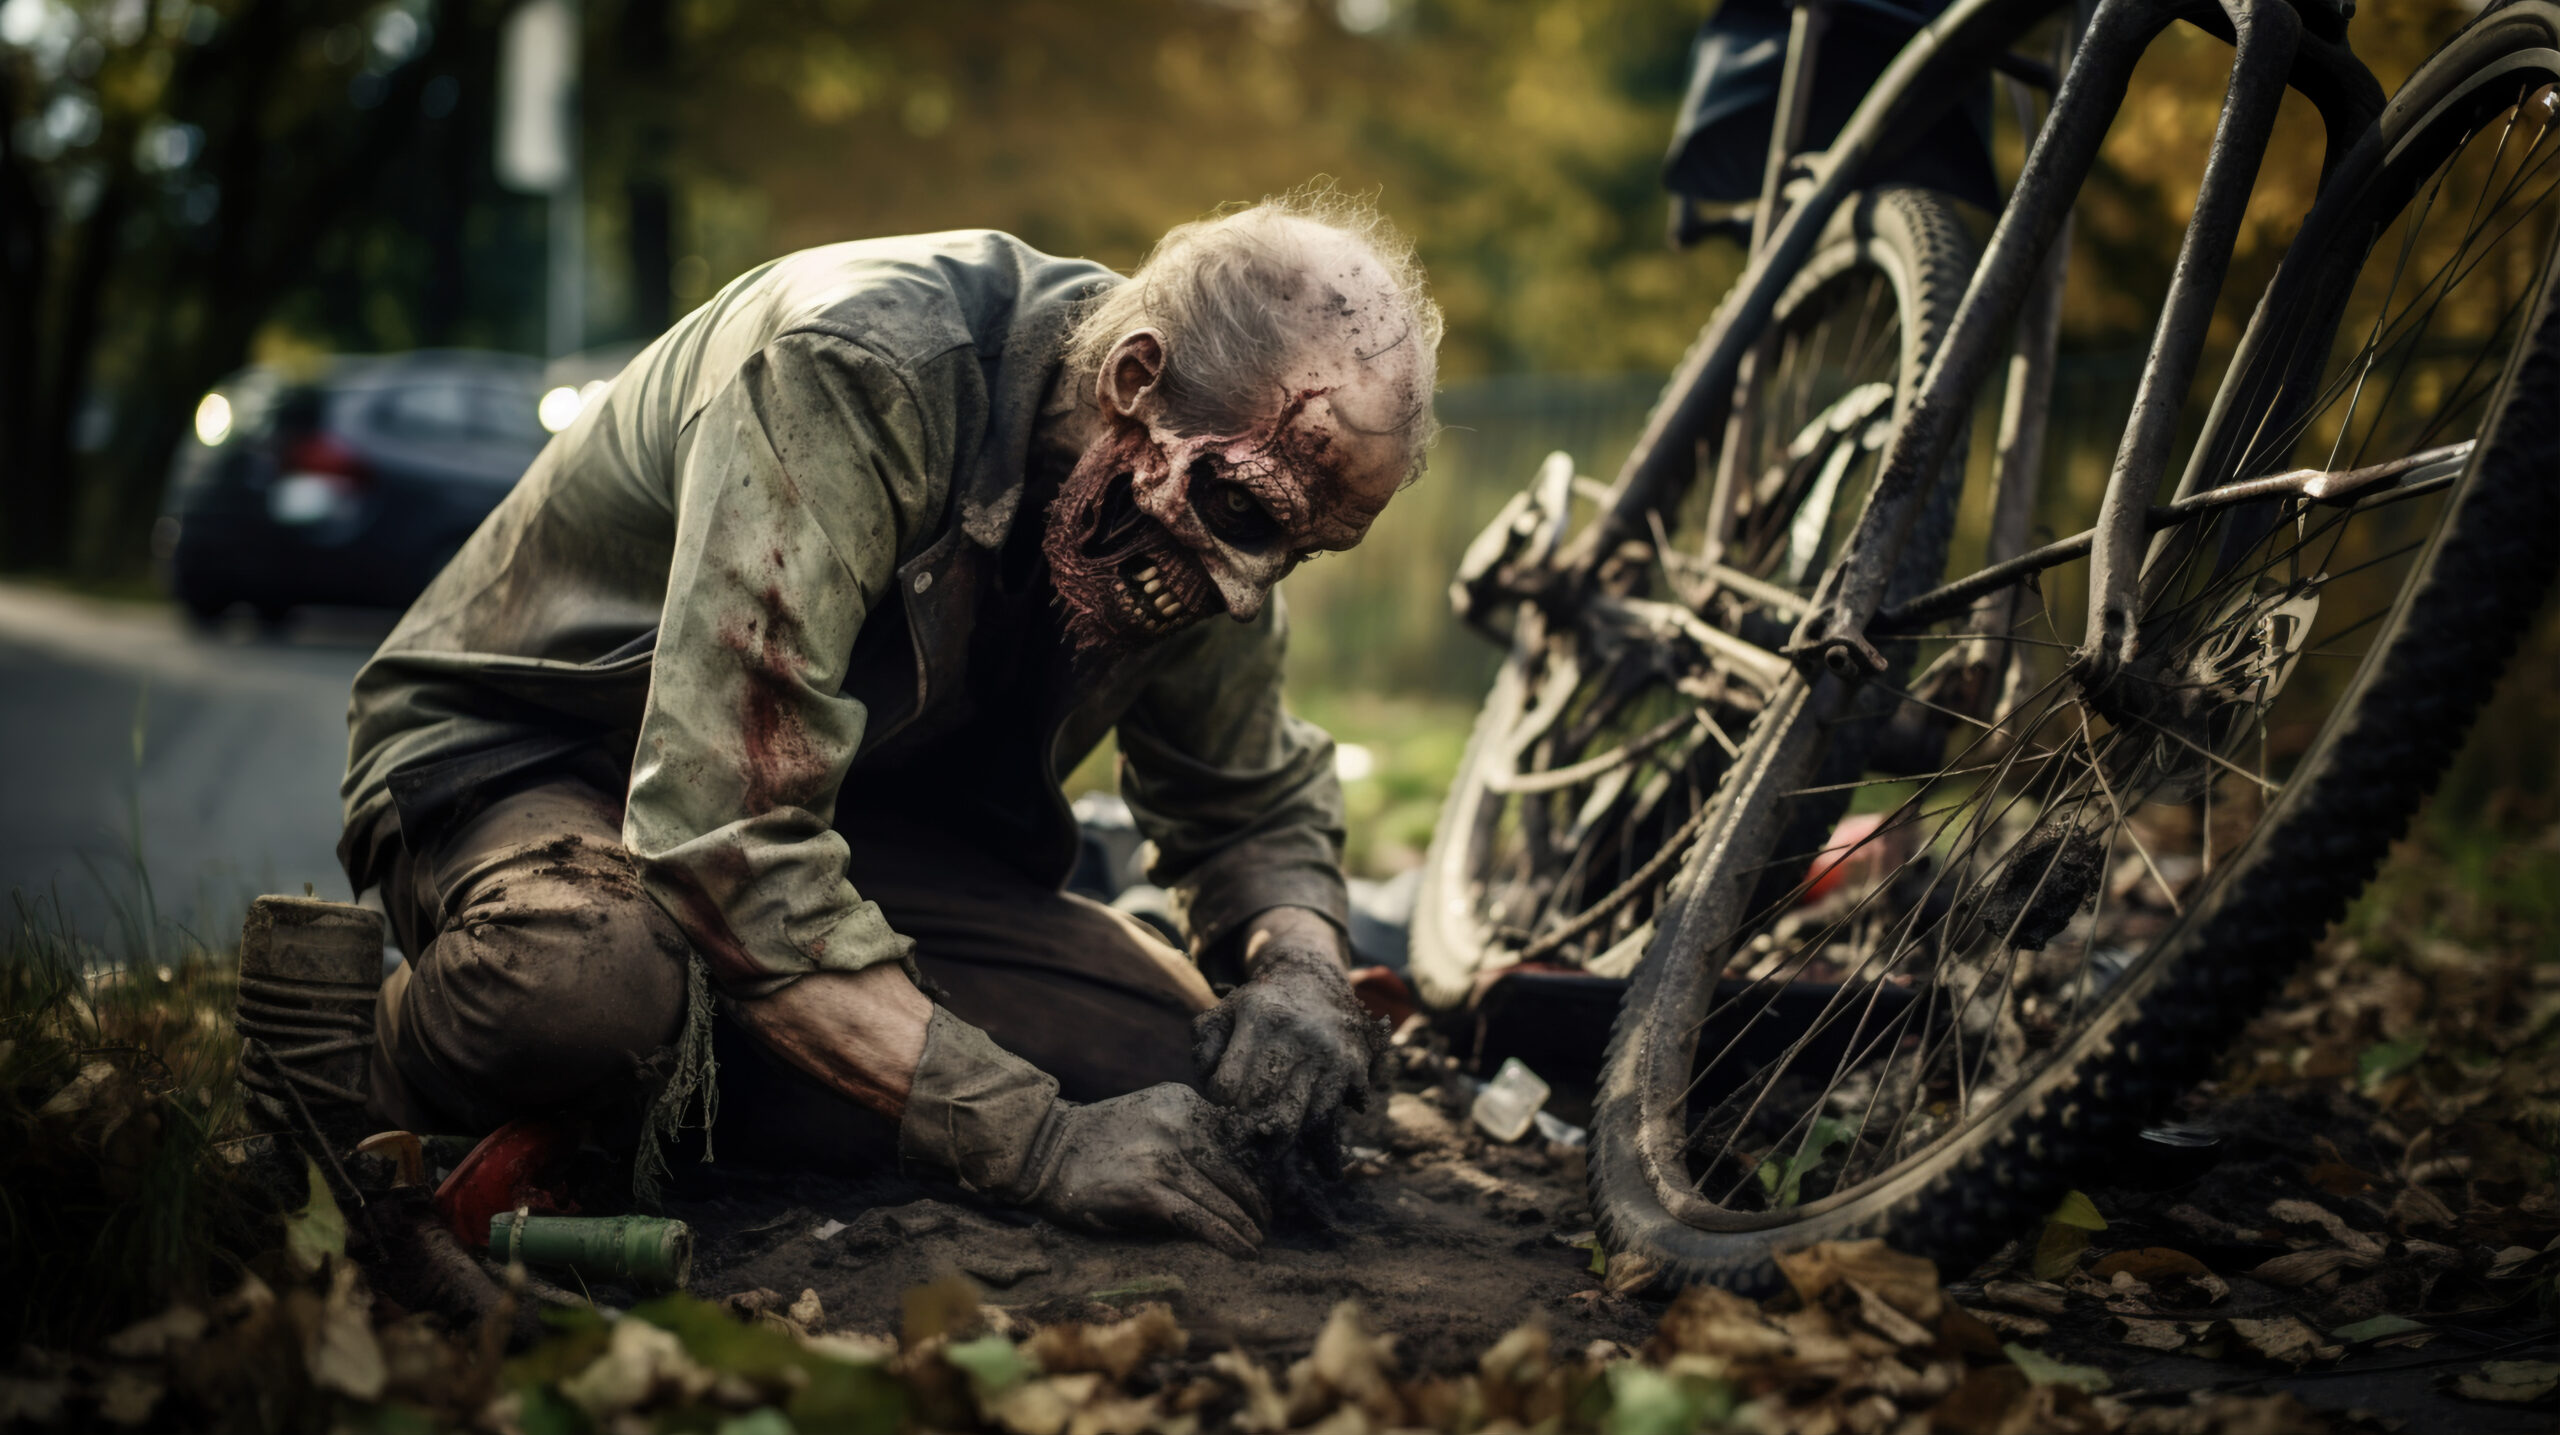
(310, 972)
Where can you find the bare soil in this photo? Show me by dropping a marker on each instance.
(1442, 1237)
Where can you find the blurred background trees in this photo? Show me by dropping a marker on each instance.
(186, 185)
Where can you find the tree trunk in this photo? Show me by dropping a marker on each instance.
(261, 253)
(77, 317)
(34, 502)
(648, 43)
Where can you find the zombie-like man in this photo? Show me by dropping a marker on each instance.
(725, 760)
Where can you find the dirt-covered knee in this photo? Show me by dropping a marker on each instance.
(558, 987)
(615, 989)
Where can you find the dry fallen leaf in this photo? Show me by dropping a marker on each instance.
(2285, 1339)
(2065, 1236)
(2150, 1334)
(2312, 1213)
(1348, 1366)
(2301, 1268)
(2043, 1369)
(1629, 1274)
(2509, 1382)
(1264, 1409)
(640, 1363)
(1114, 1349)
(1909, 1284)
(2037, 1296)
(2521, 1260)
(338, 1345)
(150, 1339)
(1705, 1320)
(2010, 1324)
(1045, 1407)
(808, 1311)
(2418, 1206)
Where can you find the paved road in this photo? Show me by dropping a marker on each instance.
(233, 779)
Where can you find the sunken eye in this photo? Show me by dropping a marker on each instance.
(1235, 515)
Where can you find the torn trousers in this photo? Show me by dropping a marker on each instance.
(543, 979)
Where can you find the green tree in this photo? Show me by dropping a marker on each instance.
(168, 169)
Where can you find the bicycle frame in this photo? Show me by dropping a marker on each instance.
(2278, 43)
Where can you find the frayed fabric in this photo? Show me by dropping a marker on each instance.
(695, 1082)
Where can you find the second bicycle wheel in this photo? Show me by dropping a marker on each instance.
(1602, 741)
(2068, 909)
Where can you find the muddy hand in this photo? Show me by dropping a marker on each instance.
(1150, 1160)
(1292, 1048)
(1156, 1159)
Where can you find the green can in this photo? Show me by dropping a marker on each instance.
(650, 1251)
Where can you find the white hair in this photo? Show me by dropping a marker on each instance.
(1209, 287)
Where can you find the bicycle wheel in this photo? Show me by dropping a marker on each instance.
(1599, 747)
(2077, 907)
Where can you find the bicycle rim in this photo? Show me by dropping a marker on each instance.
(1800, 1060)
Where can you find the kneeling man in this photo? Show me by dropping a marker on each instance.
(754, 697)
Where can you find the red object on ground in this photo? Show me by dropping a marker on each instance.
(523, 1163)
(1856, 852)
(1383, 993)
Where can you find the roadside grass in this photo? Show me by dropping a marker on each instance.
(116, 1091)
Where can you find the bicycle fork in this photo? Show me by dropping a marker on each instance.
(2267, 34)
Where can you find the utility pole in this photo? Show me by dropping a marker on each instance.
(648, 43)
(538, 151)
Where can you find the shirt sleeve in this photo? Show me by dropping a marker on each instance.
(1237, 793)
(796, 492)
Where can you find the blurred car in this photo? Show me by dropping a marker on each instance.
(349, 483)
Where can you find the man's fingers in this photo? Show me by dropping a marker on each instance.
(1203, 1190)
(1322, 1142)
(1210, 1032)
(1188, 1212)
(1229, 1176)
(1326, 1107)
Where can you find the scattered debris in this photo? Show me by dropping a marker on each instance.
(1507, 1106)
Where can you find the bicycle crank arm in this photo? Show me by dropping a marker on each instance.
(2404, 477)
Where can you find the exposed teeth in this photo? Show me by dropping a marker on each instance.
(1149, 573)
(1154, 583)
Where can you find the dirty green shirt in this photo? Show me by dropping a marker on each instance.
(686, 572)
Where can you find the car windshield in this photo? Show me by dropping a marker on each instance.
(448, 411)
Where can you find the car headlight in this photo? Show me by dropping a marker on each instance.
(213, 420)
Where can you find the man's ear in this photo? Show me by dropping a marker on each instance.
(1130, 371)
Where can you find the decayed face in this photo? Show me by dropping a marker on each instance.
(1155, 530)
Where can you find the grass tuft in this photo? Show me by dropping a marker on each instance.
(117, 1094)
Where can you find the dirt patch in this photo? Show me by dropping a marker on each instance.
(1446, 1240)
